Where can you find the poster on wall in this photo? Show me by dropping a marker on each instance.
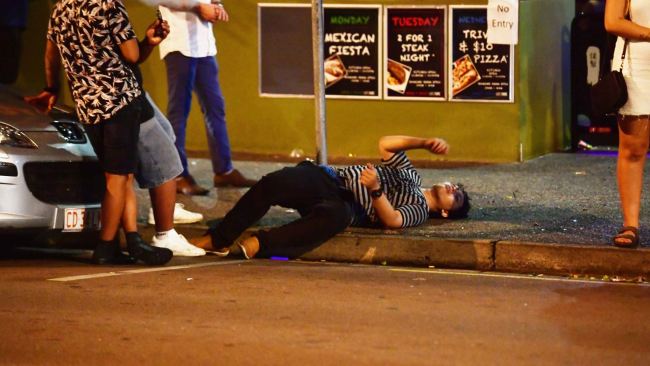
(352, 49)
(479, 70)
(414, 56)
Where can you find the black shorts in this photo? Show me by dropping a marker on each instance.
(115, 140)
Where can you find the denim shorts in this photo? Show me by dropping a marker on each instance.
(158, 160)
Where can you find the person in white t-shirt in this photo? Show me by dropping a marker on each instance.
(189, 54)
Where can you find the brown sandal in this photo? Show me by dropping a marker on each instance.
(633, 238)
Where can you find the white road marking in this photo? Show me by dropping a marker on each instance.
(514, 276)
(475, 273)
(142, 270)
(440, 271)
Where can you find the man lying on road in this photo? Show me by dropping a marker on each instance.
(330, 199)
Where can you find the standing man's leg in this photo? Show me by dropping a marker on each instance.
(163, 199)
(130, 213)
(181, 75)
(157, 168)
(113, 205)
(163, 204)
(158, 165)
(115, 142)
(212, 103)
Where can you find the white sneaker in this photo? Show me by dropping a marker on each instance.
(178, 245)
(181, 215)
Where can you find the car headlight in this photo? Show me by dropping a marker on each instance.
(70, 132)
(11, 136)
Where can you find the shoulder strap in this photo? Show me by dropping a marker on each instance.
(627, 16)
(623, 56)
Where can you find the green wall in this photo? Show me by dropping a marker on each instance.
(544, 95)
(481, 132)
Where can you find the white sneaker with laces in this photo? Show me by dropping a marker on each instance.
(181, 215)
(178, 245)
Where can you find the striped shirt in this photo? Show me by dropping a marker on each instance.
(401, 185)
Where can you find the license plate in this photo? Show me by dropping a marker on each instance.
(78, 219)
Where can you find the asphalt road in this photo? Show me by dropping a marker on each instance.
(57, 309)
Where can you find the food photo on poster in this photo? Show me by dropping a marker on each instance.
(397, 76)
(414, 53)
(480, 70)
(334, 70)
(352, 46)
(464, 74)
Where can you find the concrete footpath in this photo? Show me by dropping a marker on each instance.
(552, 215)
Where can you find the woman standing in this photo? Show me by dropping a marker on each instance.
(634, 116)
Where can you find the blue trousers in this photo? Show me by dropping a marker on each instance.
(201, 75)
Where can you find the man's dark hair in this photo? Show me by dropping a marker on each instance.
(463, 210)
(459, 213)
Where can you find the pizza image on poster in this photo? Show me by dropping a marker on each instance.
(464, 74)
(479, 71)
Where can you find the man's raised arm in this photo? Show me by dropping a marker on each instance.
(389, 145)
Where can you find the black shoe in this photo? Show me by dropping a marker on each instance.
(150, 255)
(110, 253)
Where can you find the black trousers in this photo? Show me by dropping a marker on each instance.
(306, 188)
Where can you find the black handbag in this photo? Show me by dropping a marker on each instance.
(609, 94)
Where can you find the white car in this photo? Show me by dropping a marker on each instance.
(50, 179)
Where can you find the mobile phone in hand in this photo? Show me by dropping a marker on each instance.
(158, 32)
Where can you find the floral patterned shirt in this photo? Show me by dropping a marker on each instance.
(87, 34)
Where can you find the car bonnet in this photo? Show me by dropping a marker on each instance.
(16, 112)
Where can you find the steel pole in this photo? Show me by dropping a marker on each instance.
(319, 80)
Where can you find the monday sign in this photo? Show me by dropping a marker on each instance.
(352, 46)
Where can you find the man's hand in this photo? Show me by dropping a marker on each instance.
(389, 216)
(222, 14)
(212, 12)
(369, 178)
(155, 33)
(436, 146)
(154, 38)
(43, 101)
